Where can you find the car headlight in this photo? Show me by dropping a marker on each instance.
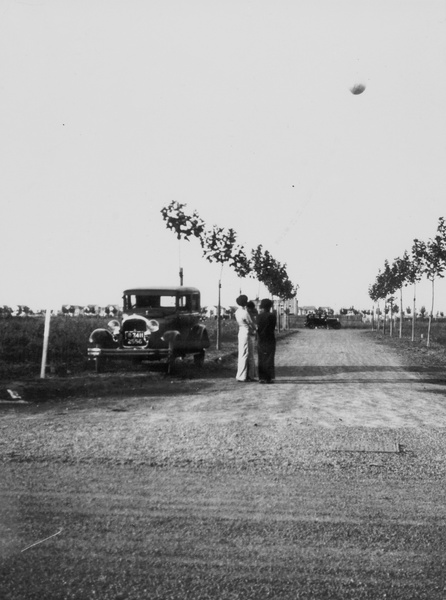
(153, 326)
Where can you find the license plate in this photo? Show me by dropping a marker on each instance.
(131, 335)
(135, 337)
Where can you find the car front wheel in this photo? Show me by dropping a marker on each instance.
(171, 356)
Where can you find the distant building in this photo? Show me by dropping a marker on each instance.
(211, 312)
(306, 310)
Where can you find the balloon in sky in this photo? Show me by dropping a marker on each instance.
(357, 89)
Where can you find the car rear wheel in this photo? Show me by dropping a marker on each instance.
(199, 358)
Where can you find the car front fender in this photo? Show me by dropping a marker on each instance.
(199, 333)
(102, 338)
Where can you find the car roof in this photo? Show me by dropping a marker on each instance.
(162, 290)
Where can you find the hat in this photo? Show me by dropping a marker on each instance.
(266, 304)
(242, 300)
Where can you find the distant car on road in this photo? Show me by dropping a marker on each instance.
(158, 324)
(315, 321)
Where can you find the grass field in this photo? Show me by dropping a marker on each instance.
(438, 330)
(21, 341)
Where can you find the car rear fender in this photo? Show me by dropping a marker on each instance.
(171, 337)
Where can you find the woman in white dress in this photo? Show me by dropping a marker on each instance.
(246, 326)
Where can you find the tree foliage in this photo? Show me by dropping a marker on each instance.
(272, 274)
(183, 224)
(220, 245)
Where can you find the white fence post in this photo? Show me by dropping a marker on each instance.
(46, 334)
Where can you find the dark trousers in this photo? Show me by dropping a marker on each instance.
(266, 352)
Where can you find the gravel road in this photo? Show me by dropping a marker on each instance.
(329, 483)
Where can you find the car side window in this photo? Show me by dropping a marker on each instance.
(183, 303)
(195, 303)
(167, 302)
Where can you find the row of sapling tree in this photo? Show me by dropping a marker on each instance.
(220, 245)
(427, 259)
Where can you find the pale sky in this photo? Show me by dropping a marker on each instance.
(239, 109)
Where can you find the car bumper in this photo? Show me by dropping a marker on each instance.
(158, 353)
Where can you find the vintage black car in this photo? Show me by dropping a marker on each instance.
(318, 321)
(158, 324)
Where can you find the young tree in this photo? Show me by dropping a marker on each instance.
(434, 265)
(240, 262)
(377, 292)
(263, 264)
(273, 275)
(414, 275)
(183, 224)
(219, 245)
(373, 294)
(388, 285)
(401, 269)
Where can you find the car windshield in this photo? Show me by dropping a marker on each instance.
(167, 302)
(153, 301)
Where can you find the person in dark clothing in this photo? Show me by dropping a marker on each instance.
(252, 368)
(266, 342)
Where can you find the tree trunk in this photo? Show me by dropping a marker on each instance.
(384, 319)
(391, 318)
(218, 344)
(278, 314)
(414, 310)
(401, 312)
(430, 315)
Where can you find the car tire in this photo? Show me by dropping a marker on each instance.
(199, 358)
(98, 364)
(171, 356)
